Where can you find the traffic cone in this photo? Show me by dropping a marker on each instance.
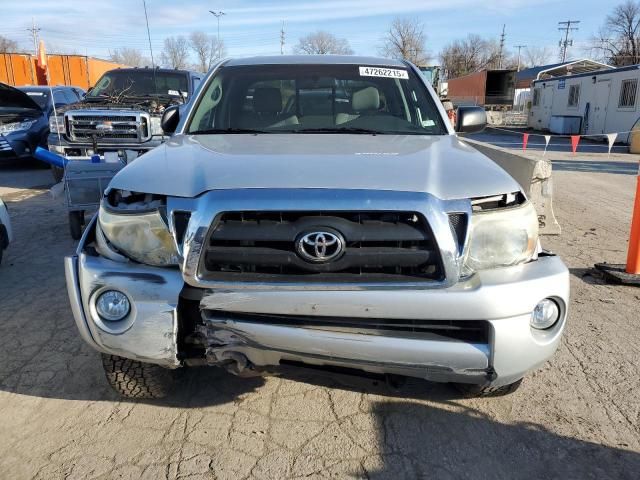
(633, 254)
(628, 274)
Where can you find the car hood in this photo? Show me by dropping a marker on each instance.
(188, 165)
(13, 98)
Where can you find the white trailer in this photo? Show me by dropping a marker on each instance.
(606, 101)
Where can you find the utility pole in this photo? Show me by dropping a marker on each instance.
(519, 47)
(34, 32)
(566, 43)
(501, 48)
(282, 39)
(218, 14)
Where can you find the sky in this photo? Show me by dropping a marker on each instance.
(252, 27)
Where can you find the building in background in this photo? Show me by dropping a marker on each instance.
(524, 78)
(75, 70)
(600, 102)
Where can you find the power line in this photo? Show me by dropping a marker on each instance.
(566, 43)
(519, 47)
(501, 48)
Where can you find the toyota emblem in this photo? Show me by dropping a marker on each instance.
(320, 247)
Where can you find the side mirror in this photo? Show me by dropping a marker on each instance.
(170, 119)
(470, 119)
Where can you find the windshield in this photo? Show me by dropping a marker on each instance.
(137, 83)
(316, 99)
(38, 96)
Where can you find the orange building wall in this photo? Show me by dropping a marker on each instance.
(76, 70)
(15, 69)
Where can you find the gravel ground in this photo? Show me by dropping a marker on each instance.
(576, 418)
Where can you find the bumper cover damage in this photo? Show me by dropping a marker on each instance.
(232, 331)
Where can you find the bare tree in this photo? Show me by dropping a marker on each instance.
(537, 56)
(7, 45)
(129, 56)
(406, 39)
(618, 41)
(207, 49)
(468, 55)
(176, 52)
(322, 43)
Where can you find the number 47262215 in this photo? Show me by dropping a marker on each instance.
(383, 72)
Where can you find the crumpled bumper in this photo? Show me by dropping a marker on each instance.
(149, 333)
(504, 298)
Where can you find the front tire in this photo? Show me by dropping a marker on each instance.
(474, 391)
(134, 379)
(76, 221)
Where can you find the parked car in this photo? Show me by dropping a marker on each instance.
(24, 117)
(6, 234)
(363, 235)
(120, 114)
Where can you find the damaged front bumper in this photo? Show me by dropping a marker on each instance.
(84, 150)
(232, 328)
(149, 332)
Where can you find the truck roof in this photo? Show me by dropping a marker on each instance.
(150, 69)
(315, 60)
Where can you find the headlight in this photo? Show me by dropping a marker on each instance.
(16, 126)
(156, 129)
(143, 236)
(56, 124)
(501, 238)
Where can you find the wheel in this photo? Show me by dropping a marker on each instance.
(134, 379)
(57, 173)
(471, 391)
(76, 220)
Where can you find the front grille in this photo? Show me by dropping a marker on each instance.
(378, 247)
(470, 331)
(116, 127)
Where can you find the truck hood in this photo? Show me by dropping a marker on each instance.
(188, 165)
(11, 97)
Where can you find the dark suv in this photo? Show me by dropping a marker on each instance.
(121, 113)
(24, 117)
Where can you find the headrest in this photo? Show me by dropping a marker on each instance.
(366, 99)
(267, 100)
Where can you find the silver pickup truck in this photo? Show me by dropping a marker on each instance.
(318, 211)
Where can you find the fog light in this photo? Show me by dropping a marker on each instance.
(545, 315)
(113, 305)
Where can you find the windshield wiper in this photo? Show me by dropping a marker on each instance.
(228, 130)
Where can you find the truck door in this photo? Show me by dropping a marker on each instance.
(600, 104)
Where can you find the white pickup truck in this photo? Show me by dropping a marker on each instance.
(317, 210)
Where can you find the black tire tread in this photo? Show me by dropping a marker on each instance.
(58, 173)
(471, 391)
(134, 379)
(76, 220)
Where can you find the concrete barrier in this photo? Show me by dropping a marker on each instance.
(534, 176)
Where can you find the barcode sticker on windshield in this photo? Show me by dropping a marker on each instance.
(383, 72)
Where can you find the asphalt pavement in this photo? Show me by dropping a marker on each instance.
(577, 417)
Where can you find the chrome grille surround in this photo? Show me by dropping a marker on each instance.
(109, 126)
(206, 209)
